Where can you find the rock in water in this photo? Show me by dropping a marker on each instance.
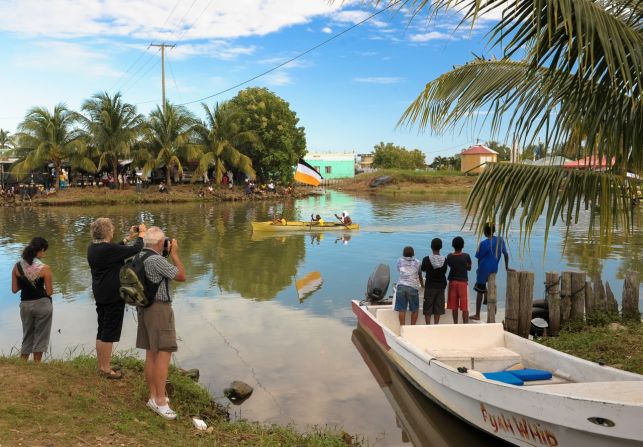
(238, 392)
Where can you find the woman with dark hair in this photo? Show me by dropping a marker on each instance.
(33, 278)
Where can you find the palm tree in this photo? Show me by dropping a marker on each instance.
(46, 137)
(219, 137)
(6, 141)
(568, 70)
(112, 128)
(166, 140)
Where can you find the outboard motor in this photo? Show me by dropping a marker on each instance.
(378, 283)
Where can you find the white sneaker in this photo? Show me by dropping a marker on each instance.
(152, 405)
(165, 412)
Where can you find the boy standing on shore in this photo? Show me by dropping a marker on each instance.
(459, 264)
(435, 267)
(488, 254)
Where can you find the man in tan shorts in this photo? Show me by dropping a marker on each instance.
(156, 331)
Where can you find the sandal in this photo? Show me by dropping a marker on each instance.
(112, 375)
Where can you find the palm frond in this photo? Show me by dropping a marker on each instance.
(503, 192)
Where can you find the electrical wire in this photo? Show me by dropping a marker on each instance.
(143, 53)
(298, 56)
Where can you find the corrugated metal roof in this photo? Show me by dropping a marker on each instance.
(478, 149)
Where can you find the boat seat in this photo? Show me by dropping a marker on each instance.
(484, 360)
(476, 346)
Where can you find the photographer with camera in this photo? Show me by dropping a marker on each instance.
(156, 332)
(105, 260)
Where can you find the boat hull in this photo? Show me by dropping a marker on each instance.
(510, 413)
(269, 226)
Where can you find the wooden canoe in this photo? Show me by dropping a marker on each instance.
(302, 226)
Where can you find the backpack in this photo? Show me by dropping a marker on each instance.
(136, 289)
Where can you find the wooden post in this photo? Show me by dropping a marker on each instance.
(526, 298)
(553, 302)
(600, 299)
(630, 302)
(590, 304)
(612, 304)
(578, 297)
(565, 296)
(491, 298)
(512, 302)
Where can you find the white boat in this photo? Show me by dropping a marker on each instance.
(581, 404)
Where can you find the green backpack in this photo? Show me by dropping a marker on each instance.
(136, 289)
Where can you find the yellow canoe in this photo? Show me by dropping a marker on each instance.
(302, 226)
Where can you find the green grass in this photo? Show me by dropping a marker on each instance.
(615, 344)
(61, 403)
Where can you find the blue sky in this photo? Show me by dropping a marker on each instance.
(348, 94)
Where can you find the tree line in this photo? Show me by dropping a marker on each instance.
(255, 133)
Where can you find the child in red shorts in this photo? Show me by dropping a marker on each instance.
(459, 264)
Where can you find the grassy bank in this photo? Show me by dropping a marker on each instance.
(619, 345)
(178, 194)
(63, 403)
(408, 182)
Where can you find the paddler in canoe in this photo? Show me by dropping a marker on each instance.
(316, 220)
(345, 219)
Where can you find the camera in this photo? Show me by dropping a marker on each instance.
(166, 247)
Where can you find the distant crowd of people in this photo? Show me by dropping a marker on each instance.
(156, 333)
(435, 282)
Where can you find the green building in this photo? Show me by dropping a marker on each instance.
(332, 165)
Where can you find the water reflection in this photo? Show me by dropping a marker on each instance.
(240, 315)
(421, 422)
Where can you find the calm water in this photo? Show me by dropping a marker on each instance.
(240, 316)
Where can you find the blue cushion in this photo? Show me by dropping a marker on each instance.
(531, 374)
(504, 377)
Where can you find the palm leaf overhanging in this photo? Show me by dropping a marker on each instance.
(569, 70)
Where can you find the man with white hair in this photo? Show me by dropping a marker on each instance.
(156, 332)
(345, 218)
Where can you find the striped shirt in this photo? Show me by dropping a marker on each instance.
(157, 268)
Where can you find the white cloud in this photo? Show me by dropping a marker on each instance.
(65, 57)
(356, 16)
(327, 30)
(145, 19)
(279, 77)
(433, 35)
(379, 80)
(217, 49)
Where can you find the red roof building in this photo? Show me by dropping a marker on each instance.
(475, 158)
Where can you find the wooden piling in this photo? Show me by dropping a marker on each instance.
(630, 301)
(590, 304)
(553, 302)
(512, 302)
(578, 297)
(565, 296)
(526, 298)
(612, 304)
(600, 299)
(491, 298)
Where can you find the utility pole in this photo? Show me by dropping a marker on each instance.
(163, 46)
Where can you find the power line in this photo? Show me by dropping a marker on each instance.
(296, 57)
(144, 52)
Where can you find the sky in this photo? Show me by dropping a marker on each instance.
(348, 94)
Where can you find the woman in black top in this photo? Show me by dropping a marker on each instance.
(33, 278)
(105, 261)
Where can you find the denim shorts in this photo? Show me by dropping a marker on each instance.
(407, 297)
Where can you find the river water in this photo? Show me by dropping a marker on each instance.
(240, 315)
